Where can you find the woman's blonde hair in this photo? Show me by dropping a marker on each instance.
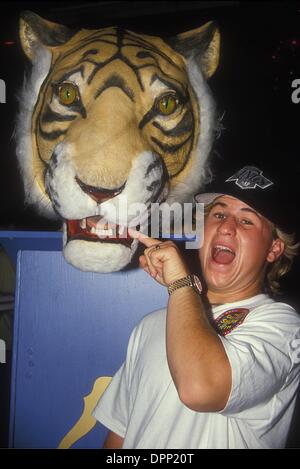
(283, 264)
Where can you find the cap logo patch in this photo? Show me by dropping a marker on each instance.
(250, 177)
(229, 320)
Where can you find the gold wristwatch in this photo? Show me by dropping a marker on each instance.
(189, 281)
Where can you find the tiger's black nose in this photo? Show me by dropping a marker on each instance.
(99, 194)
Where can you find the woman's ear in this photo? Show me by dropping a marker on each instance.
(276, 250)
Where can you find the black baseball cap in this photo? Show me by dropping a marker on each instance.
(258, 188)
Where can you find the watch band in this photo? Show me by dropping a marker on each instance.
(188, 281)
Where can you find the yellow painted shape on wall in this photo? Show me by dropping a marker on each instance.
(86, 421)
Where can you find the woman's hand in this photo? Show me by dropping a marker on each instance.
(162, 260)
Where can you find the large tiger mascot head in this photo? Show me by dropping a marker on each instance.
(109, 115)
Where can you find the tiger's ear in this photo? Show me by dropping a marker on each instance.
(201, 43)
(35, 31)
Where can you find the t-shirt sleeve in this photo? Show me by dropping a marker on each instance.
(112, 409)
(263, 359)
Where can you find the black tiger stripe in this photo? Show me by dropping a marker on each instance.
(120, 36)
(185, 125)
(170, 148)
(116, 56)
(103, 41)
(160, 55)
(52, 135)
(50, 171)
(67, 75)
(115, 81)
(89, 40)
(171, 176)
(77, 107)
(153, 185)
(143, 54)
(89, 61)
(157, 52)
(153, 165)
(147, 45)
(151, 48)
(159, 188)
(182, 93)
(54, 159)
(50, 116)
(148, 116)
(89, 52)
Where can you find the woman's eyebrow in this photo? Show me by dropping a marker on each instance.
(244, 209)
(219, 203)
(248, 209)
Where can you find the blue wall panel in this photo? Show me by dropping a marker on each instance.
(70, 328)
(13, 241)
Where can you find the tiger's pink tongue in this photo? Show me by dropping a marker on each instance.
(222, 256)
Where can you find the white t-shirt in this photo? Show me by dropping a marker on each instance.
(262, 341)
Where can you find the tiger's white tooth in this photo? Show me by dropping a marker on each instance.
(93, 230)
(83, 223)
(122, 229)
(104, 232)
(103, 228)
(101, 224)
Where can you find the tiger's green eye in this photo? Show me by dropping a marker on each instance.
(67, 94)
(167, 104)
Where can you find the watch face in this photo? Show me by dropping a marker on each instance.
(197, 283)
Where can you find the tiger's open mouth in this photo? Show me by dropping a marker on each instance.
(86, 229)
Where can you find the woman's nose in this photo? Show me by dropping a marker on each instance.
(228, 226)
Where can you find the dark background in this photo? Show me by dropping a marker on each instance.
(260, 57)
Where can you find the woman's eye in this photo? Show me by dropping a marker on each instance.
(168, 104)
(247, 222)
(219, 215)
(67, 94)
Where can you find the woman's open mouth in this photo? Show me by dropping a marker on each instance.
(222, 254)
